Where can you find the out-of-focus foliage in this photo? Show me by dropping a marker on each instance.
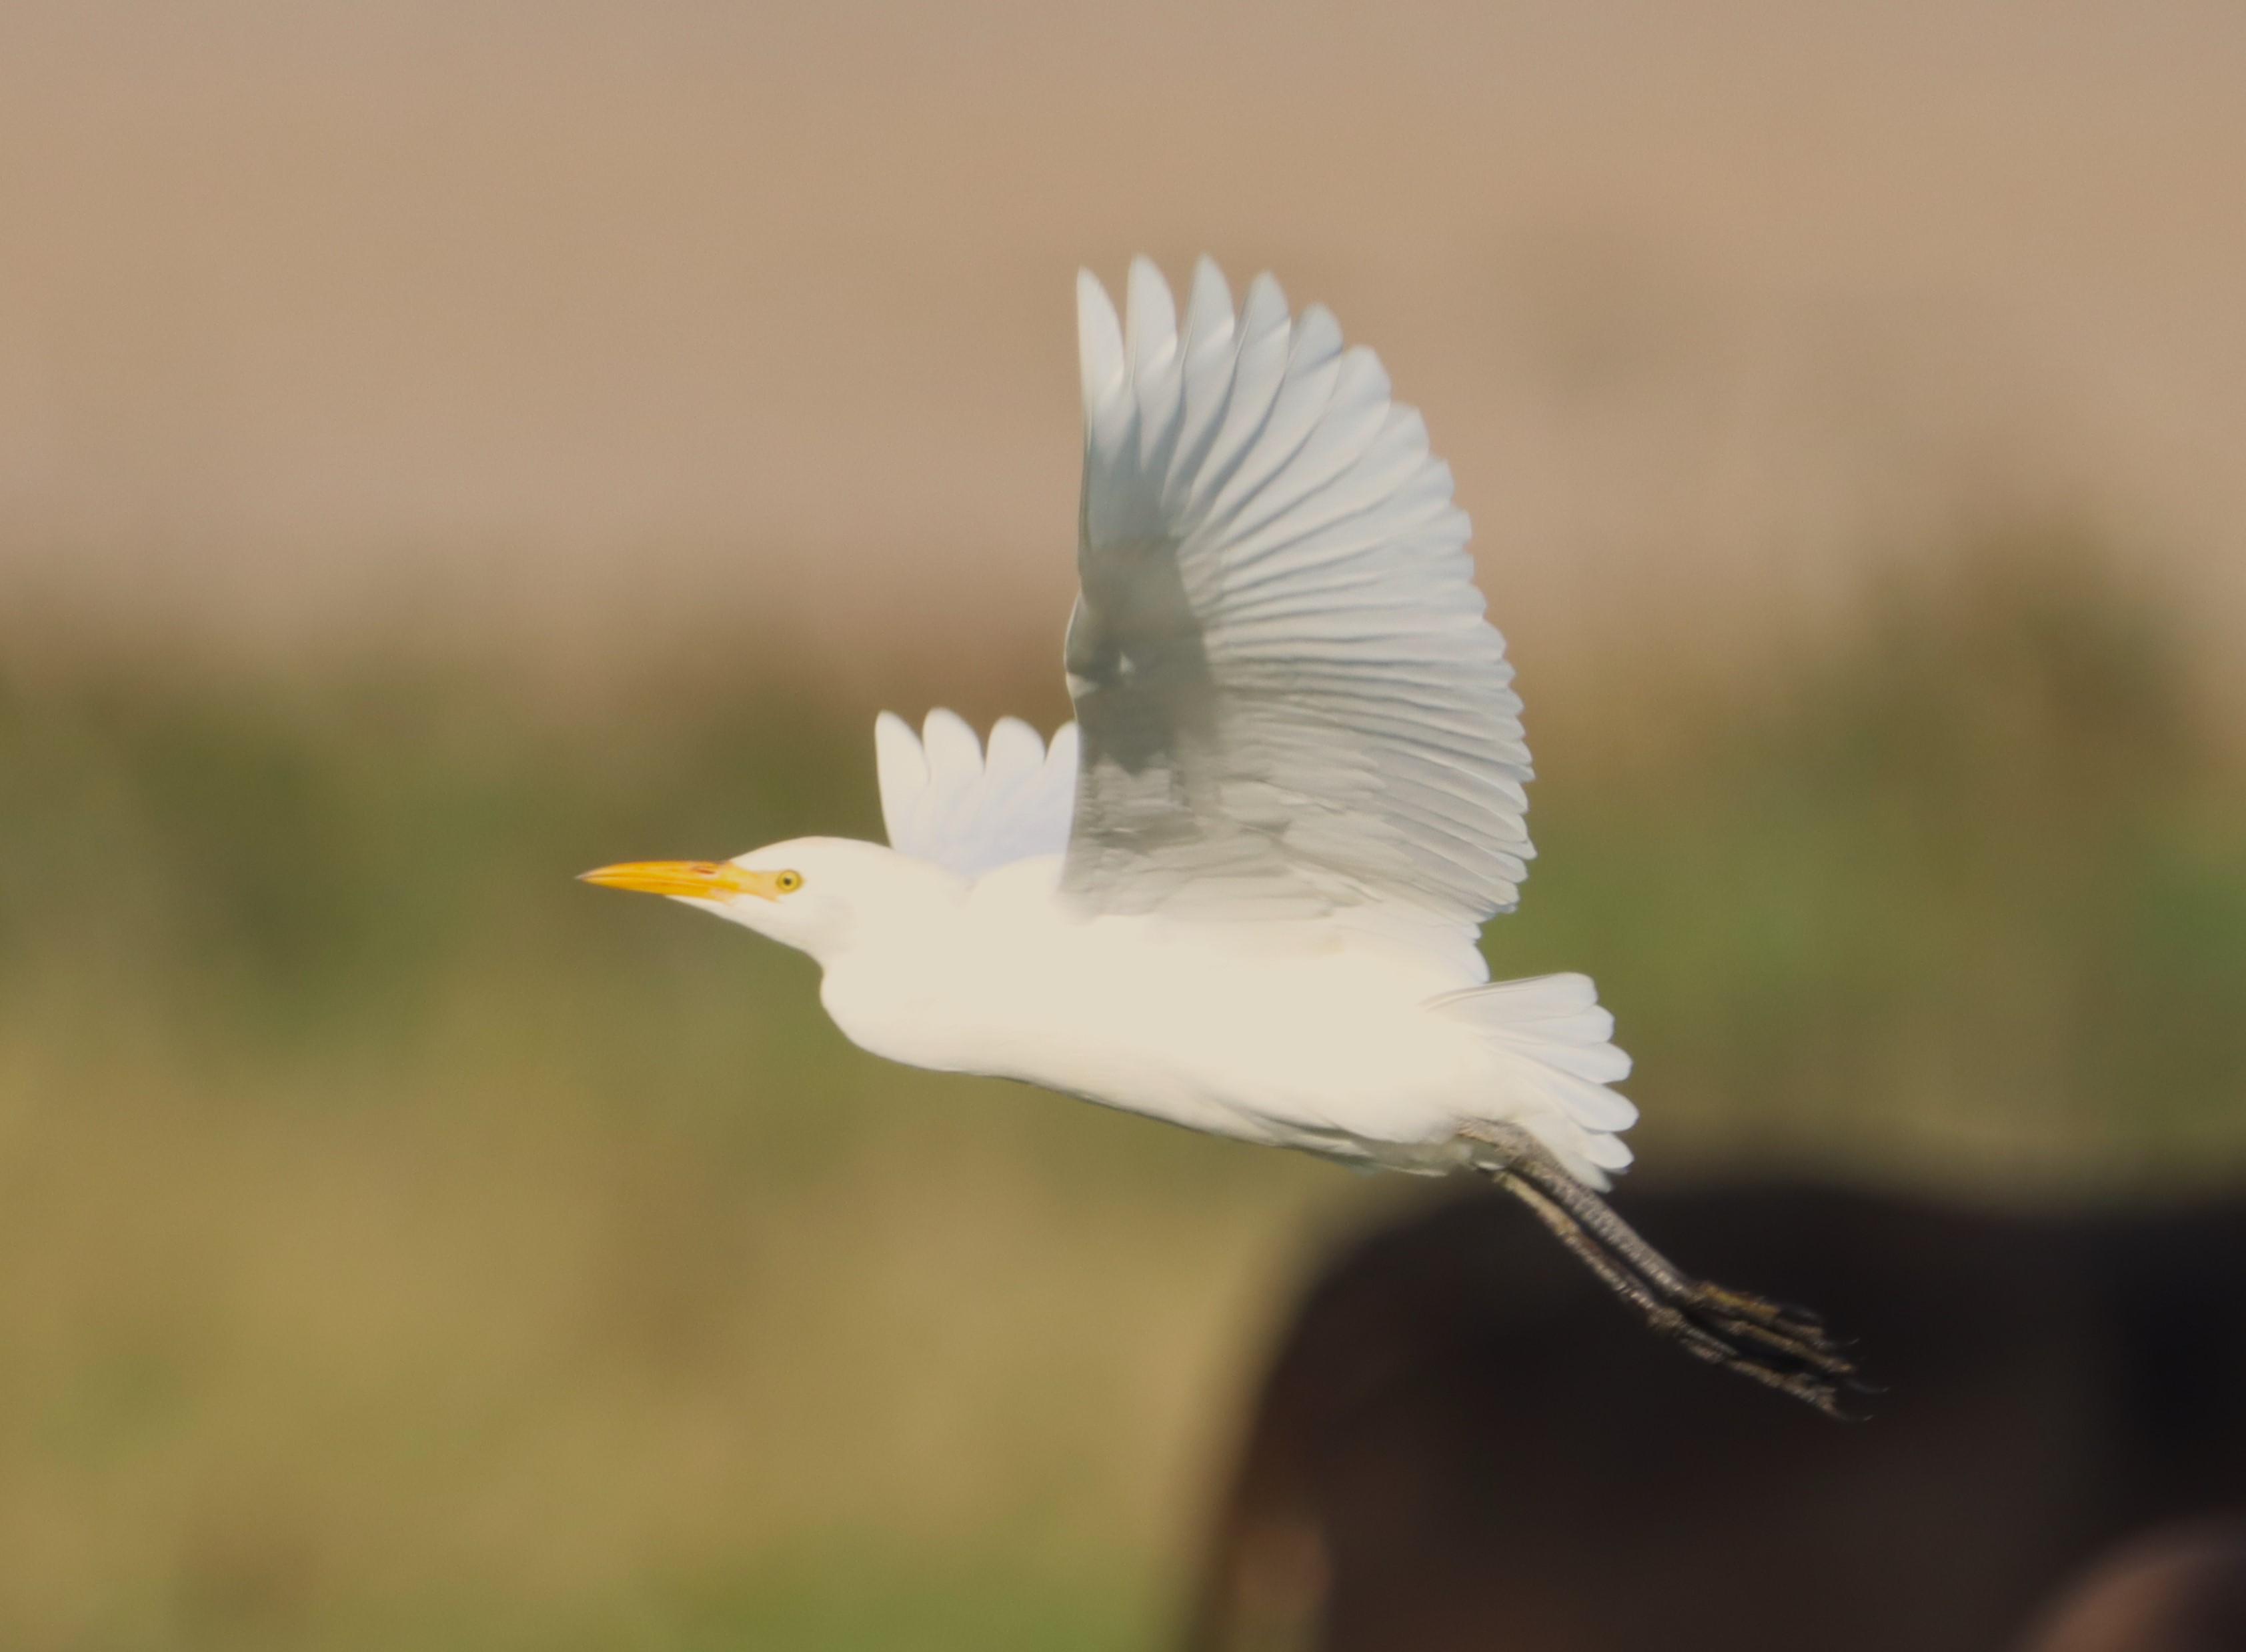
(1959, 896)
(402, 1245)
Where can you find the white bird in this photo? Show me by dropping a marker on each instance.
(1243, 892)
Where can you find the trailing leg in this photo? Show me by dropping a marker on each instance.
(1781, 1347)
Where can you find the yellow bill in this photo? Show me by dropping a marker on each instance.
(702, 879)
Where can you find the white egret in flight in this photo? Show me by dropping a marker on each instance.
(1242, 891)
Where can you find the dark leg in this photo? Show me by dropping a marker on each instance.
(1784, 1348)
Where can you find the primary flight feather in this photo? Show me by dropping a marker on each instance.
(1242, 891)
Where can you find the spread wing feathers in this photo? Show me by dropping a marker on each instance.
(1290, 700)
(944, 798)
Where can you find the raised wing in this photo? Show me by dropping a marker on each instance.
(1290, 700)
(945, 799)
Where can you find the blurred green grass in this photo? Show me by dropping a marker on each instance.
(1956, 896)
(401, 1244)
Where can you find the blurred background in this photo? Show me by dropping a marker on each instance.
(445, 447)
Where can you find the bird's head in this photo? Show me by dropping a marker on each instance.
(821, 896)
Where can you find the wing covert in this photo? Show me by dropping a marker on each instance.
(945, 799)
(1290, 701)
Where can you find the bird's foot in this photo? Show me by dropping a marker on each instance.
(1780, 1346)
(1783, 1347)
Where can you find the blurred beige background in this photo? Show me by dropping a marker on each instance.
(401, 1245)
(547, 311)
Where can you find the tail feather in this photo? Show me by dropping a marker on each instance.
(1554, 1041)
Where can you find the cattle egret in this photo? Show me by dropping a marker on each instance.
(1242, 892)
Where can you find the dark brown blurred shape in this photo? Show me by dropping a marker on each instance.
(1463, 1444)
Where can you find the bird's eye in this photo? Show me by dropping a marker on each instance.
(788, 882)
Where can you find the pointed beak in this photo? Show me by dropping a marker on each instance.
(697, 880)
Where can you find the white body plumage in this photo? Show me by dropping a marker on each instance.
(1243, 891)
(1313, 1036)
